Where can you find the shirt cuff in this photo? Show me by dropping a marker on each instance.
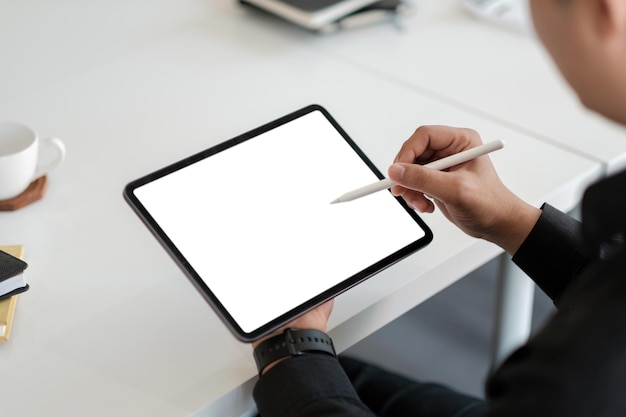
(554, 251)
(305, 385)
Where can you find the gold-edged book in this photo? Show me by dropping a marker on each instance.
(7, 306)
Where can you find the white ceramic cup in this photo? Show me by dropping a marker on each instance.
(20, 156)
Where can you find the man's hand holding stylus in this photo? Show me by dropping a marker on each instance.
(470, 195)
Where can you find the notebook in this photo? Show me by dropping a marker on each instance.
(8, 303)
(317, 15)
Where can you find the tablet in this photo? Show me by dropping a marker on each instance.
(249, 221)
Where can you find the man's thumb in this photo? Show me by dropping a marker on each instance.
(414, 177)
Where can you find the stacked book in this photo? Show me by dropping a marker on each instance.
(11, 283)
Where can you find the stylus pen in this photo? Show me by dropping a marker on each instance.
(441, 164)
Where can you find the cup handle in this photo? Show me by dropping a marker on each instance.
(60, 147)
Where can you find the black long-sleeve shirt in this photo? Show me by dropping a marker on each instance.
(574, 366)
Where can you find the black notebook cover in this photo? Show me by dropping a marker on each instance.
(10, 266)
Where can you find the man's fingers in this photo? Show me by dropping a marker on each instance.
(440, 185)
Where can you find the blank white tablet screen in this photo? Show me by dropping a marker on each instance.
(256, 224)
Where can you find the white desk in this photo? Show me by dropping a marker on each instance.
(111, 326)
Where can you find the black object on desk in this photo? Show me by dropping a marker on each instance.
(11, 277)
(330, 15)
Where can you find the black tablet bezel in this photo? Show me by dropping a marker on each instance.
(201, 286)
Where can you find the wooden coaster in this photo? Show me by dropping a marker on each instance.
(34, 192)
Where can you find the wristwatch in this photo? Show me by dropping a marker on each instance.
(292, 342)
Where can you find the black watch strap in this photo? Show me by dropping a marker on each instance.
(292, 342)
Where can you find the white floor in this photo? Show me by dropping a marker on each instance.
(446, 339)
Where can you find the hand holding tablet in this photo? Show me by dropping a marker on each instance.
(264, 257)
